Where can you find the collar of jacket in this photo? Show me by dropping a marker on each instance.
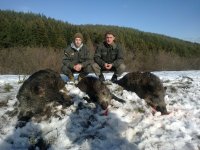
(113, 45)
(76, 48)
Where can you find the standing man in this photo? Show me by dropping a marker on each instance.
(109, 56)
(76, 59)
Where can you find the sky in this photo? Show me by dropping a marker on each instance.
(174, 18)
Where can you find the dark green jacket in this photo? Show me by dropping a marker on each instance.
(73, 57)
(112, 54)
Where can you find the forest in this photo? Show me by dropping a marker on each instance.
(29, 42)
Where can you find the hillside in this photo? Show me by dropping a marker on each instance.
(22, 30)
(28, 29)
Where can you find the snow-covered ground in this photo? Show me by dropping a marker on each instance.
(128, 126)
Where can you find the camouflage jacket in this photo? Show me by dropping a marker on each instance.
(73, 56)
(112, 54)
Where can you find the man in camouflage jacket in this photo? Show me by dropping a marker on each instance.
(109, 56)
(76, 59)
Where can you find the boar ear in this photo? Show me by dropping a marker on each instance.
(81, 86)
(151, 85)
(39, 90)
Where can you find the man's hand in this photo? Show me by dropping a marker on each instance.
(108, 66)
(78, 67)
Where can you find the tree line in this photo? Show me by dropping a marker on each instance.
(18, 29)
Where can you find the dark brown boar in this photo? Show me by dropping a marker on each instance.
(39, 91)
(147, 86)
(96, 90)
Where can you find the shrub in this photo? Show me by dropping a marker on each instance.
(7, 87)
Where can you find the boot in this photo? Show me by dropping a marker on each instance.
(71, 78)
(101, 77)
(81, 76)
(114, 78)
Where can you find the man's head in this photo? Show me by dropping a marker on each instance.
(109, 37)
(78, 39)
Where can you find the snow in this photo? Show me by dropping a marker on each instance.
(128, 126)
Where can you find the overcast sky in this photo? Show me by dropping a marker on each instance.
(175, 18)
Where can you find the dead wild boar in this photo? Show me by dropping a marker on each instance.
(40, 90)
(97, 91)
(147, 86)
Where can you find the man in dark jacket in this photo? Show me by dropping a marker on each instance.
(109, 56)
(76, 59)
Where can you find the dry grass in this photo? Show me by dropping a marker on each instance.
(29, 60)
(161, 61)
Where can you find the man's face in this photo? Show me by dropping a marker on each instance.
(77, 42)
(109, 39)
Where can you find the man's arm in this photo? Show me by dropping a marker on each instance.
(87, 58)
(67, 59)
(120, 57)
(97, 57)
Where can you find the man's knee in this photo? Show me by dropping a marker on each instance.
(96, 68)
(65, 70)
(88, 69)
(121, 68)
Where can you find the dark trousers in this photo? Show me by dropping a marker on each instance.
(69, 72)
(117, 70)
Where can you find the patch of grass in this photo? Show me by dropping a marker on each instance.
(22, 79)
(173, 89)
(140, 110)
(32, 139)
(7, 87)
(3, 103)
(132, 102)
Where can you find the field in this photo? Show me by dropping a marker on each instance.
(128, 126)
